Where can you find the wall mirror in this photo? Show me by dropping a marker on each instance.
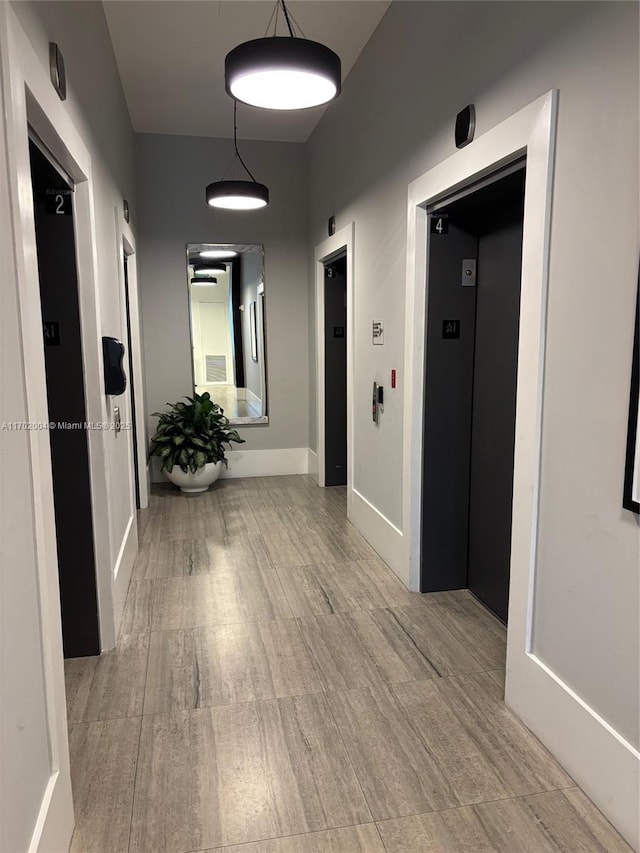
(227, 318)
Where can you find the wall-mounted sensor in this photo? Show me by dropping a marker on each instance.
(115, 380)
(465, 126)
(56, 70)
(331, 226)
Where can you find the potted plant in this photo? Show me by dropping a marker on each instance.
(190, 441)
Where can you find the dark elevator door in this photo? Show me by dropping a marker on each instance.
(494, 404)
(57, 272)
(335, 371)
(470, 393)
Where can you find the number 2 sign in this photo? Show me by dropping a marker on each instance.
(59, 202)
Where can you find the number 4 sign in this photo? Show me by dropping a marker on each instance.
(439, 223)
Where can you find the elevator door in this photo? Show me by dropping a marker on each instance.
(494, 405)
(335, 355)
(55, 239)
(470, 393)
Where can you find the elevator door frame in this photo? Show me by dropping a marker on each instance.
(340, 243)
(445, 570)
(529, 133)
(540, 697)
(530, 689)
(128, 250)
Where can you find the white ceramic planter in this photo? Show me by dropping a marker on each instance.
(198, 482)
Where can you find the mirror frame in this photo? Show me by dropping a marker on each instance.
(237, 247)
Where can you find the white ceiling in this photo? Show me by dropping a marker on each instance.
(171, 60)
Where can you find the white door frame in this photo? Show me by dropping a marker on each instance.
(127, 244)
(531, 131)
(608, 769)
(341, 240)
(123, 568)
(30, 99)
(260, 312)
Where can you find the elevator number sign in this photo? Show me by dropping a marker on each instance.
(58, 202)
(439, 223)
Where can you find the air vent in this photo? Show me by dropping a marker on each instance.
(216, 368)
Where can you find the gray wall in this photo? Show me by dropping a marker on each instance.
(172, 173)
(25, 766)
(392, 123)
(96, 105)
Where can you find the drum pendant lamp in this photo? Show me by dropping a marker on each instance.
(283, 72)
(204, 279)
(234, 194)
(208, 269)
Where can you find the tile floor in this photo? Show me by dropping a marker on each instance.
(275, 689)
(227, 397)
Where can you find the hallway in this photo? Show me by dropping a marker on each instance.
(274, 680)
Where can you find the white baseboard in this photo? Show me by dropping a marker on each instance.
(600, 760)
(122, 572)
(383, 536)
(253, 398)
(54, 825)
(312, 464)
(266, 463)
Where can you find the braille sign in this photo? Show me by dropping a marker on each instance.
(450, 329)
(51, 333)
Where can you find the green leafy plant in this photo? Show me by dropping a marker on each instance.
(191, 434)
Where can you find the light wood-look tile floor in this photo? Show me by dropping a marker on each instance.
(276, 689)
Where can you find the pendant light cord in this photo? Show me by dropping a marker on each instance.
(235, 140)
(289, 18)
(286, 17)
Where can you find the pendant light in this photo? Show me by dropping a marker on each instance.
(282, 72)
(234, 194)
(218, 253)
(208, 269)
(208, 279)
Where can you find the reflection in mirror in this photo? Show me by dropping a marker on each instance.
(226, 310)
